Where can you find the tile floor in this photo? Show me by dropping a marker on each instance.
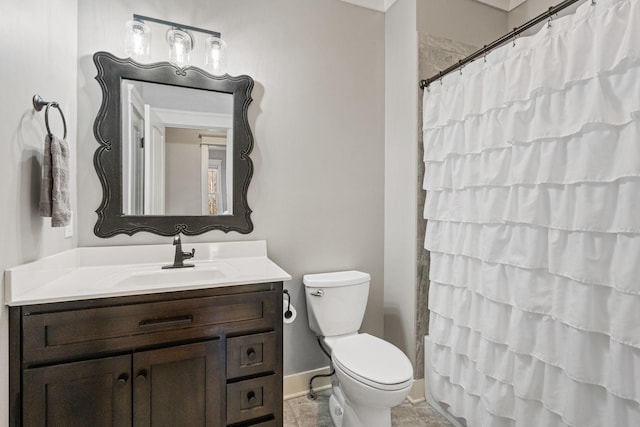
(302, 412)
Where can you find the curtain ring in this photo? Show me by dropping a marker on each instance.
(46, 118)
(460, 66)
(515, 36)
(485, 53)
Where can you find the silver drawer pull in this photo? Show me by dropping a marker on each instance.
(318, 293)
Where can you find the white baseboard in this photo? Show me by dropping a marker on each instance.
(297, 385)
(416, 395)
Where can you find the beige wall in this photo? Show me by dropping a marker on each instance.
(318, 124)
(532, 8)
(465, 21)
(527, 10)
(401, 139)
(181, 199)
(38, 43)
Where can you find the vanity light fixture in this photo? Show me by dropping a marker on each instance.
(180, 40)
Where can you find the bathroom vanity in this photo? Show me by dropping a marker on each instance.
(141, 346)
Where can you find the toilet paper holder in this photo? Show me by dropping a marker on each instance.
(288, 313)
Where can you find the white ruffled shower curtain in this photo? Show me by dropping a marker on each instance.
(533, 222)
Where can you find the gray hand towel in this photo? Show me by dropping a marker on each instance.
(54, 193)
(47, 182)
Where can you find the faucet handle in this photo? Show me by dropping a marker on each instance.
(189, 255)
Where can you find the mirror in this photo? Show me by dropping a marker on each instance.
(174, 149)
(176, 154)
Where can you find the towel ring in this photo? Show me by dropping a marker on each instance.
(39, 103)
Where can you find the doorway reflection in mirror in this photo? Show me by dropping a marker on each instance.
(216, 154)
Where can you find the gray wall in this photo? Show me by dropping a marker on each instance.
(318, 123)
(38, 42)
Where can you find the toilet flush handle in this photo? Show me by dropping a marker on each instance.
(318, 293)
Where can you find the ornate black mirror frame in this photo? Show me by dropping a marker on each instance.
(108, 157)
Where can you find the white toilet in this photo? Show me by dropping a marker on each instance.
(372, 375)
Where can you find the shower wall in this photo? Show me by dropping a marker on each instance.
(434, 54)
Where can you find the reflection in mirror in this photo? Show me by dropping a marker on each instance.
(177, 155)
(174, 146)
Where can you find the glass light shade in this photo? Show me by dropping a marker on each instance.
(215, 56)
(137, 41)
(180, 46)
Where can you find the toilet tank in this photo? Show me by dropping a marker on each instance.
(336, 301)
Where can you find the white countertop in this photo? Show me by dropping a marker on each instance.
(101, 272)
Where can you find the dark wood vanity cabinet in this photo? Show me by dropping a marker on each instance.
(194, 358)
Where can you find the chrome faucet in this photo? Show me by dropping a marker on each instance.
(178, 261)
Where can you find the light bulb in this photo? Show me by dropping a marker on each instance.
(180, 45)
(137, 42)
(215, 59)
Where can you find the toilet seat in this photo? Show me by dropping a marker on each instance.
(372, 361)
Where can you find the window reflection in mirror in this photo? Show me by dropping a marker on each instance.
(177, 151)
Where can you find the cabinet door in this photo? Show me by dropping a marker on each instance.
(179, 386)
(93, 393)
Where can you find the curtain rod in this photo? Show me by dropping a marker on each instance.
(502, 40)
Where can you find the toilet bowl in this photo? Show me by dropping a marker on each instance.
(372, 375)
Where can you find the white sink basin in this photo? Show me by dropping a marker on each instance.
(157, 277)
(102, 272)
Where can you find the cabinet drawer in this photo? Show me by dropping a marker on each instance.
(251, 399)
(58, 335)
(251, 354)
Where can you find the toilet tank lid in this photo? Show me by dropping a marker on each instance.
(338, 278)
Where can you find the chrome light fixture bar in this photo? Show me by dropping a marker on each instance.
(175, 25)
